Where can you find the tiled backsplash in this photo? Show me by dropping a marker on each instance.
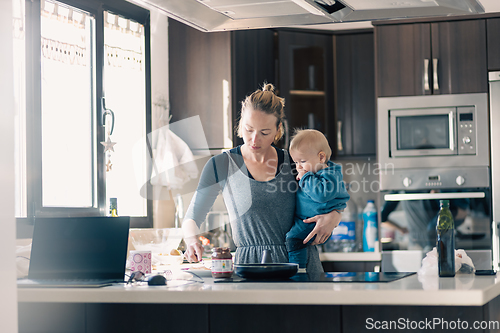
(362, 177)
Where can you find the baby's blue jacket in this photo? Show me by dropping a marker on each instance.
(321, 192)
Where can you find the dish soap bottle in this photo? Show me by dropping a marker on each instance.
(370, 229)
(344, 235)
(445, 240)
(113, 207)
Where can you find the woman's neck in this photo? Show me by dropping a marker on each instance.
(259, 157)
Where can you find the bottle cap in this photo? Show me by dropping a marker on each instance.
(444, 202)
(371, 201)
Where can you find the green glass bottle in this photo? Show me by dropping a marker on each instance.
(445, 240)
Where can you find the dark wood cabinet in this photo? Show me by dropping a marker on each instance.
(493, 40)
(211, 73)
(253, 63)
(354, 95)
(431, 58)
(48, 317)
(306, 80)
(203, 66)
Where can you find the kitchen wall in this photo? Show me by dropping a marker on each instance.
(8, 289)
(163, 205)
(163, 202)
(362, 176)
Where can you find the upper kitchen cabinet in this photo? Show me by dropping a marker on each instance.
(493, 30)
(253, 63)
(211, 73)
(431, 58)
(306, 80)
(354, 95)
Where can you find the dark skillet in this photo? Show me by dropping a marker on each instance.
(266, 269)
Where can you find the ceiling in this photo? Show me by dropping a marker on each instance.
(490, 6)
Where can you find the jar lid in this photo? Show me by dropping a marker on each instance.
(221, 249)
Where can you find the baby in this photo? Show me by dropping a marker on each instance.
(321, 189)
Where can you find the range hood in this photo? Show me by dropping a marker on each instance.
(221, 15)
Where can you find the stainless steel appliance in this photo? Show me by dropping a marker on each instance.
(437, 147)
(433, 142)
(223, 15)
(494, 78)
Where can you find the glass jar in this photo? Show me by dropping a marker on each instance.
(222, 262)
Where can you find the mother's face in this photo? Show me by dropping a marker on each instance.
(258, 129)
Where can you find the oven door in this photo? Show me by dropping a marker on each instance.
(416, 212)
(423, 132)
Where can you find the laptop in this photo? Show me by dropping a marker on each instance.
(78, 252)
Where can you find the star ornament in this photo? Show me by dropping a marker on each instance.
(108, 145)
(108, 166)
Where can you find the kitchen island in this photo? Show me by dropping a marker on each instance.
(411, 303)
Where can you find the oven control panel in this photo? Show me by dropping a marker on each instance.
(466, 138)
(435, 178)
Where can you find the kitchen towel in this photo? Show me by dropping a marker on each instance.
(173, 163)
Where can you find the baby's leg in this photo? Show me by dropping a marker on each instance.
(298, 257)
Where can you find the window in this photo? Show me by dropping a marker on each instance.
(81, 135)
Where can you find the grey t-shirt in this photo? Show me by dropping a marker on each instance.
(260, 213)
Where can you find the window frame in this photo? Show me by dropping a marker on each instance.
(33, 111)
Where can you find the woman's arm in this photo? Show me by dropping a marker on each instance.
(203, 199)
(325, 224)
(194, 249)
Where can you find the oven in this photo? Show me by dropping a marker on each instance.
(431, 148)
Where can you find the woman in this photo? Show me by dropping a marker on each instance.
(258, 185)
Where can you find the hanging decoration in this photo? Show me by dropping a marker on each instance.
(108, 144)
(108, 165)
(108, 148)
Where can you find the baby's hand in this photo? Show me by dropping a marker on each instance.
(300, 174)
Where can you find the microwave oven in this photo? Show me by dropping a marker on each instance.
(437, 131)
(417, 135)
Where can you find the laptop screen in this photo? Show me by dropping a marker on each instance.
(79, 248)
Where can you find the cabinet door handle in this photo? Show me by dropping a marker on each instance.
(451, 120)
(435, 71)
(340, 147)
(426, 75)
(287, 134)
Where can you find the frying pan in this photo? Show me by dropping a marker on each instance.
(266, 269)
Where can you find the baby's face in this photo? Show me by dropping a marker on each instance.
(306, 161)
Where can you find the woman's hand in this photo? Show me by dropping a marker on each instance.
(194, 252)
(194, 249)
(324, 226)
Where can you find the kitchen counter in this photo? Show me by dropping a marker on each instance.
(262, 307)
(412, 290)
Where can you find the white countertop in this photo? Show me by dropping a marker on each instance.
(413, 290)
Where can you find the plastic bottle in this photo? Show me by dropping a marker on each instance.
(359, 226)
(113, 207)
(370, 230)
(445, 240)
(345, 233)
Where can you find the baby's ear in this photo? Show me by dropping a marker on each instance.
(322, 157)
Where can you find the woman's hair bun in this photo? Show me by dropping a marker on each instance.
(268, 87)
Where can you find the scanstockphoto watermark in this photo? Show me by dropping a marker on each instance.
(437, 324)
(363, 175)
(178, 152)
(362, 179)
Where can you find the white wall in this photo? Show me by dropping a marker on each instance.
(8, 289)
(163, 205)
(159, 67)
